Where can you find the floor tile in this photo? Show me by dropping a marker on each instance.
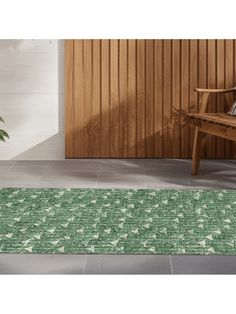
(80, 176)
(204, 264)
(25, 171)
(120, 185)
(4, 170)
(41, 264)
(5, 166)
(25, 163)
(20, 182)
(66, 184)
(212, 181)
(123, 171)
(161, 186)
(166, 178)
(75, 164)
(135, 264)
(212, 166)
(108, 164)
(108, 179)
(93, 264)
(70, 172)
(167, 163)
(7, 162)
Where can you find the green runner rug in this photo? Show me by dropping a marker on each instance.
(117, 221)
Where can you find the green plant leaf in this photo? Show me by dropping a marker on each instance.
(2, 138)
(4, 133)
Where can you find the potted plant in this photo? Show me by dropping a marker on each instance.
(3, 134)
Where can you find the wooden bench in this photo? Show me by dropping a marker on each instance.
(219, 124)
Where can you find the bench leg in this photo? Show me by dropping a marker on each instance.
(196, 151)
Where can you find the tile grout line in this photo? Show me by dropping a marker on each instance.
(188, 177)
(171, 265)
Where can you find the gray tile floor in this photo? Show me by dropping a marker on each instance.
(115, 173)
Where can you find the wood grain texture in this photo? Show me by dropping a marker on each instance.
(141, 87)
(202, 75)
(105, 100)
(167, 105)
(87, 97)
(211, 83)
(96, 100)
(176, 100)
(149, 98)
(185, 147)
(220, 82)
(158, 99)
(114, 99)
(229, 78)
(132, 98)
(69, 99)
(193, 81)
(78, 96)
(123, 96)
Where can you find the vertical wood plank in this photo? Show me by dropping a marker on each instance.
(131, 142)
(158, 99)
(234, 63)
(141, 98)
(176, 104)
(95, 138)
(229, 80)
(193, 82)
(87, 99)
(220, 152)
(185, 96)
(114, 98)
(123, 97)
(105, 98)
(167, 125)
(202, 64)
(234, 84)
(78, 94)
(211, 83)
(120, 95)
(202, 73)
(149, 99)
(69, 103)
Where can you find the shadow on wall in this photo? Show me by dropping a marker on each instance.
(53, 145)
(115, 134)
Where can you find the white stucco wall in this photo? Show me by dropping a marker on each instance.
(32, 99)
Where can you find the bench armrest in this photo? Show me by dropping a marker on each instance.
(217, 90)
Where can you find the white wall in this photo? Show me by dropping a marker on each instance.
(31, 99)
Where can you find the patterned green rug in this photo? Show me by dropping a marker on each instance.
(117, 221)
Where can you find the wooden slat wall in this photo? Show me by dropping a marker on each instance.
(122, 96)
